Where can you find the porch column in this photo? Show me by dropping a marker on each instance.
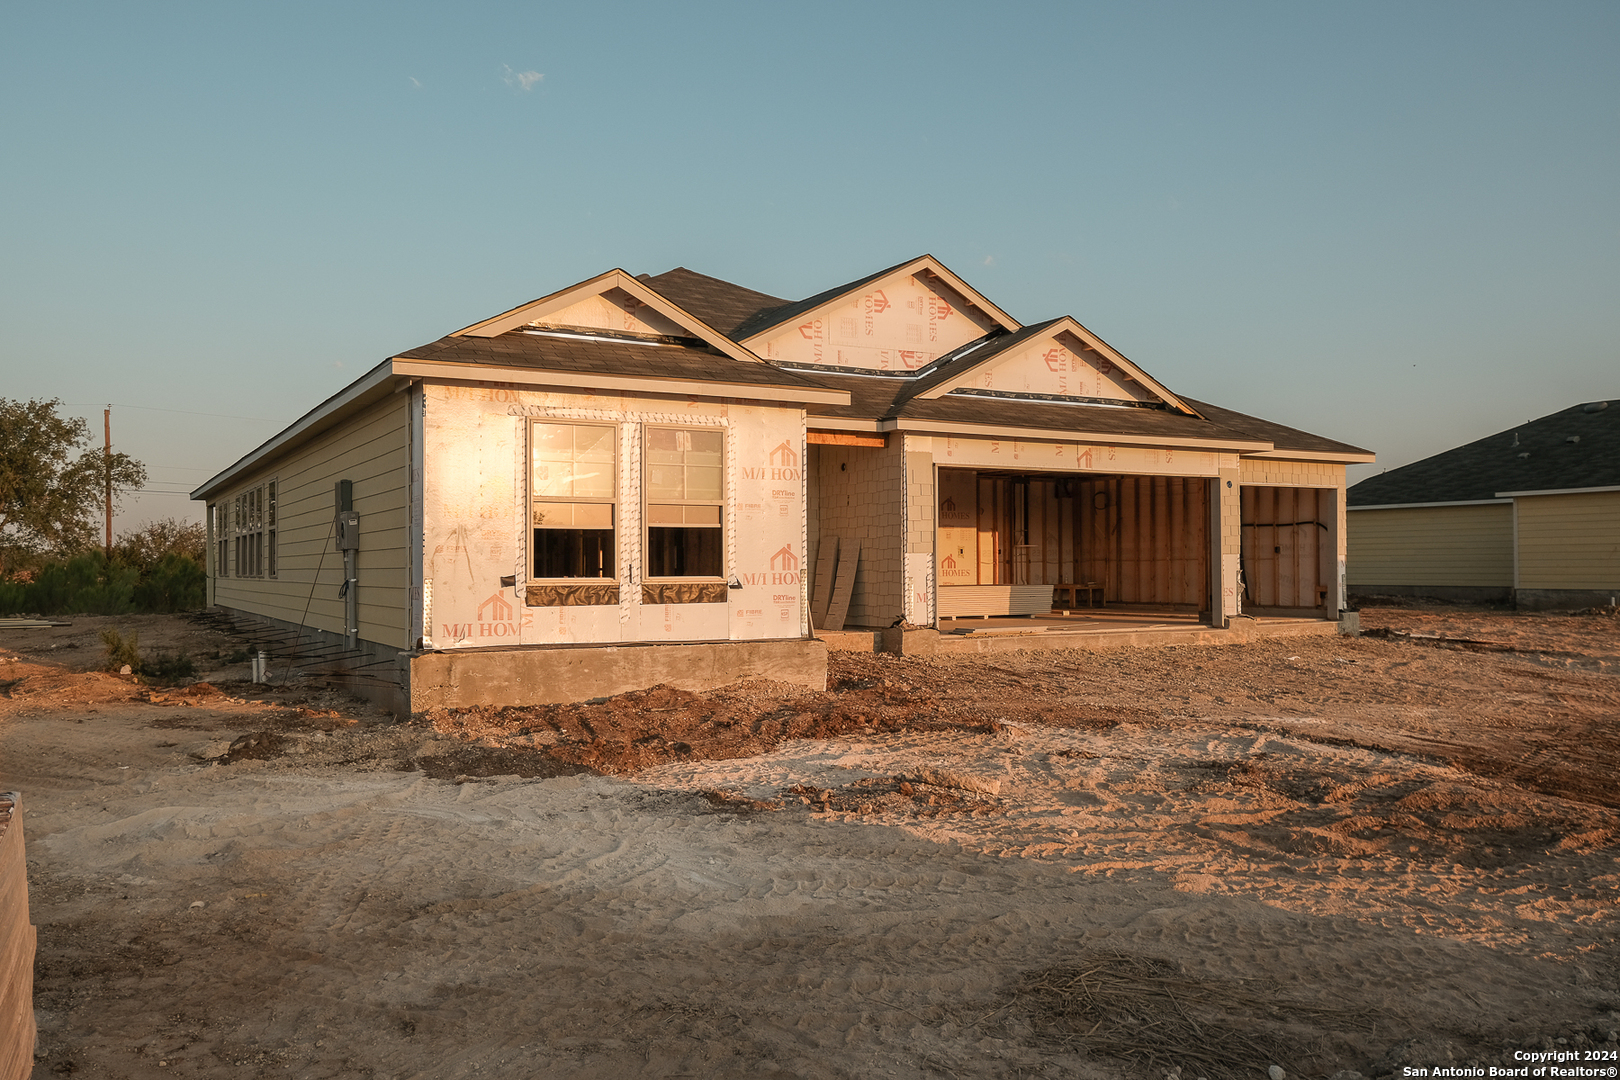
(922, 530)
(1225, 545)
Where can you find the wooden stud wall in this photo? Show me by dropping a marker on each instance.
(1287, 550)
(1143, 537)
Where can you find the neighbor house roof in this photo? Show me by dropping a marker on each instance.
(1577, 447)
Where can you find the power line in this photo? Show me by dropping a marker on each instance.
(181, 412)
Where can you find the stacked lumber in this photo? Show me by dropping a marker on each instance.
(16, 948)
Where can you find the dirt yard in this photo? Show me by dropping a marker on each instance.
(1328, 855)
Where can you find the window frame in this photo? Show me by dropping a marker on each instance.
(219, 517)
(648, 501)
(532, 501)
(251, 519)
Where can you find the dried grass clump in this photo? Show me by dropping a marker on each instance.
(1146, 1011)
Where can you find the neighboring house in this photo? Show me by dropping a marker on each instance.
(1530, 514)
(639, 479)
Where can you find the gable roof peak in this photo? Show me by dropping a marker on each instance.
(638, 291)
(765, 321)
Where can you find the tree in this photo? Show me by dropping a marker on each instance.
(145, 547)
(49, 497)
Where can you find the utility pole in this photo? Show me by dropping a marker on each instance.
(106, 469)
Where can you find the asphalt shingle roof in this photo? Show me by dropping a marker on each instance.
(721, 304)
(539, 352)
(761, 321)
(877, 398)
(1541, 455)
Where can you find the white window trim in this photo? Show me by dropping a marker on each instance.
(252, 516)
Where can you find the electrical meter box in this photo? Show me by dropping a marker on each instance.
(348, 530)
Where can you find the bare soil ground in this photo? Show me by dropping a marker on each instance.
(1401, 850)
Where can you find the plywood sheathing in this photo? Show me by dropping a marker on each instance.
(849, 563)
(826, 567)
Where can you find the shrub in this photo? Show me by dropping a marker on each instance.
(168, 670)
(121, 651)
(176, 582)
(85, 584)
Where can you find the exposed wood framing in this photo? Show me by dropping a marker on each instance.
(843, 438)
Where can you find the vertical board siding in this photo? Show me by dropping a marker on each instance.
(1569, 541)
(1468, 546)
(371, 451)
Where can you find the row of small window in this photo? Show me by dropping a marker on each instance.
(573, 499)
(244, 528)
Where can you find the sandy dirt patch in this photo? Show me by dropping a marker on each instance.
(1323, 854)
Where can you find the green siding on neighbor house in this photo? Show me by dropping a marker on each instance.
(1569, 541)
(371, 451)
(1447, 546)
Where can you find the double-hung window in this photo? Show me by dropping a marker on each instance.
(686, 502)
(252, 517)
(221, 514)
(573, 471)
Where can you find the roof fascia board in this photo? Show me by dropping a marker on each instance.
(1070, 325)
(1431, 505)
(1559, 491)
(601, 283)
(841, 423)
(478, 373)
(365, 386)
(1336, 456)
(998, 431)
(922, 262)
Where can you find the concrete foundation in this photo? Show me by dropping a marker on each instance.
(1367, 595)
(544, 676)
(368, 670)
(1564, 599)
(1036, 639)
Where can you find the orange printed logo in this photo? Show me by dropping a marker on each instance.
(499, 608)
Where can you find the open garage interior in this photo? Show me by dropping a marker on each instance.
(1025, 543)
(1289, 551)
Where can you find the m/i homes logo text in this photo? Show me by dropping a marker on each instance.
(784, 465)
(784, 569)
(494, 620)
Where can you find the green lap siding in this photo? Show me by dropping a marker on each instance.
(1569, 541)
(1456, 546)
(371, 451)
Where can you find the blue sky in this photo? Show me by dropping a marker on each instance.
(1392, 224)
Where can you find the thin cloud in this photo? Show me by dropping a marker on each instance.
(989, 260)
(415, 81)
(520, 80)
